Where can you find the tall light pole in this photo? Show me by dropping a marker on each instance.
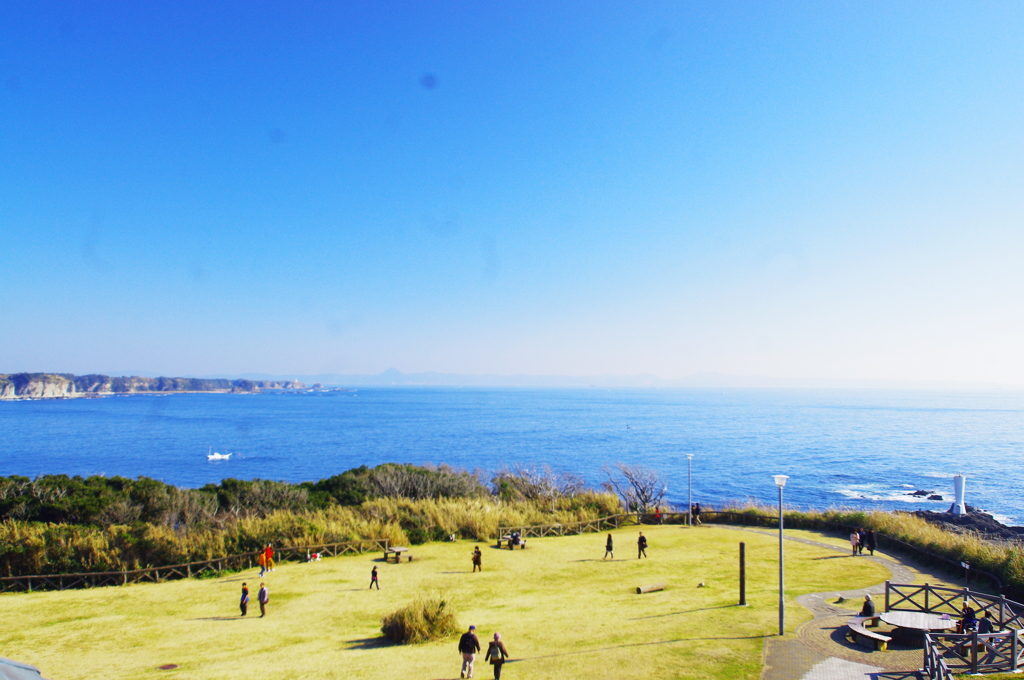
(780, 481)
(689, 489)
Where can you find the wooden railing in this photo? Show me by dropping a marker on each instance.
(935, 667)
(1004, 613)
(179, 571)
(956, 653)
(949, 653)
(571, 528)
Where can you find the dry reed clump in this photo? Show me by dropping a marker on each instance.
(425, 619)
(43, 548)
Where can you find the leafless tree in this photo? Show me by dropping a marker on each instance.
(536, 483)
(640, 488)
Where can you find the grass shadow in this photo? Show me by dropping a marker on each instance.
(370, 643)
(641, 644)
(688, 611)
(833, 557)
(220, 618)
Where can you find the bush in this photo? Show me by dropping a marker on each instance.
(425, 619)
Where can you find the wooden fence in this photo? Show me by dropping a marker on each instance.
(172, 572)
(571, 528)
(949, 653)
(935, 666)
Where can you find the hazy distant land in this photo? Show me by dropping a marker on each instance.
(67, 386)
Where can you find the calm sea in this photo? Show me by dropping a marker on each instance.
(841, 448)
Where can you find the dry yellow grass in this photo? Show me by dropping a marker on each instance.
(564, 613)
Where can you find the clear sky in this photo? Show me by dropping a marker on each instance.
(820, 189)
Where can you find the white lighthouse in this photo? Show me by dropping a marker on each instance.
(959, 485)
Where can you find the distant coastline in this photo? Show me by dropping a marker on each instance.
(18, 386)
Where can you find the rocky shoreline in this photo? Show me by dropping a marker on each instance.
(975, 521)
(67, 386)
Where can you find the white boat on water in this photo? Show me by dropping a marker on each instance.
(217, 456)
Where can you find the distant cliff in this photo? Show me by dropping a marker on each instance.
(65, 385)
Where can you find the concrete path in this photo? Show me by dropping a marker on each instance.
(820, 650)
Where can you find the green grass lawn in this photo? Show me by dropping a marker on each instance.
(562, 611)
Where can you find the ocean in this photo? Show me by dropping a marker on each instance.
(841, 448)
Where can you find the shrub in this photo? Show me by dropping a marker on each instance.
(425, 619)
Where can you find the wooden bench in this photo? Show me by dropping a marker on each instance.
(858, 629)
(398, 553)
(508, 541)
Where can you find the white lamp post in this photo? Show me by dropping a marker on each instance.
(689, 489)
(780, 481)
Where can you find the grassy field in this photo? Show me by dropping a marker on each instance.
(562, 611)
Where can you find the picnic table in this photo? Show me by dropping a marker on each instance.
(911, 626)
(397, 552)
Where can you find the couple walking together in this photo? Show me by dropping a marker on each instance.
(641, 547)
(263, 597)
(469, 645)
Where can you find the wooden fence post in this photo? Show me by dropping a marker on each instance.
(743, 574)
(886, 596)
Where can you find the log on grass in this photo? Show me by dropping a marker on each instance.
(640, 590)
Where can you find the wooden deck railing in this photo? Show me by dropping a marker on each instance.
(179, 571)
(935, 667)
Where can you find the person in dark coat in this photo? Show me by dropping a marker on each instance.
(478, 558)
(497, 654)
(469, 645)
(641, 546)
(869, 606)
(243, 604)
(862, 538)
(869, 541)
(608, 548)
(373, 578)
(695, 513)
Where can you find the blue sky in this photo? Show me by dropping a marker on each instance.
(827, 190)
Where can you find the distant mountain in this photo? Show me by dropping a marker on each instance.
(67, 386)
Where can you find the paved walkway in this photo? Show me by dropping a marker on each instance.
(820, 649)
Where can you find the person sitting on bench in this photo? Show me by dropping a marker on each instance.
(968, 622)
(868, 610)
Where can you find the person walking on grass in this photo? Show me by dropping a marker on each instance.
(262, 561)
(243, 604)
(641, 546)
(269, 553)
(854, 541)
(264, 597)
(862, 538)
(469, 645)
(373, 578)
(497, 654)
(608, 548)
(869, 539)
(695, 514)
(478, 558)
